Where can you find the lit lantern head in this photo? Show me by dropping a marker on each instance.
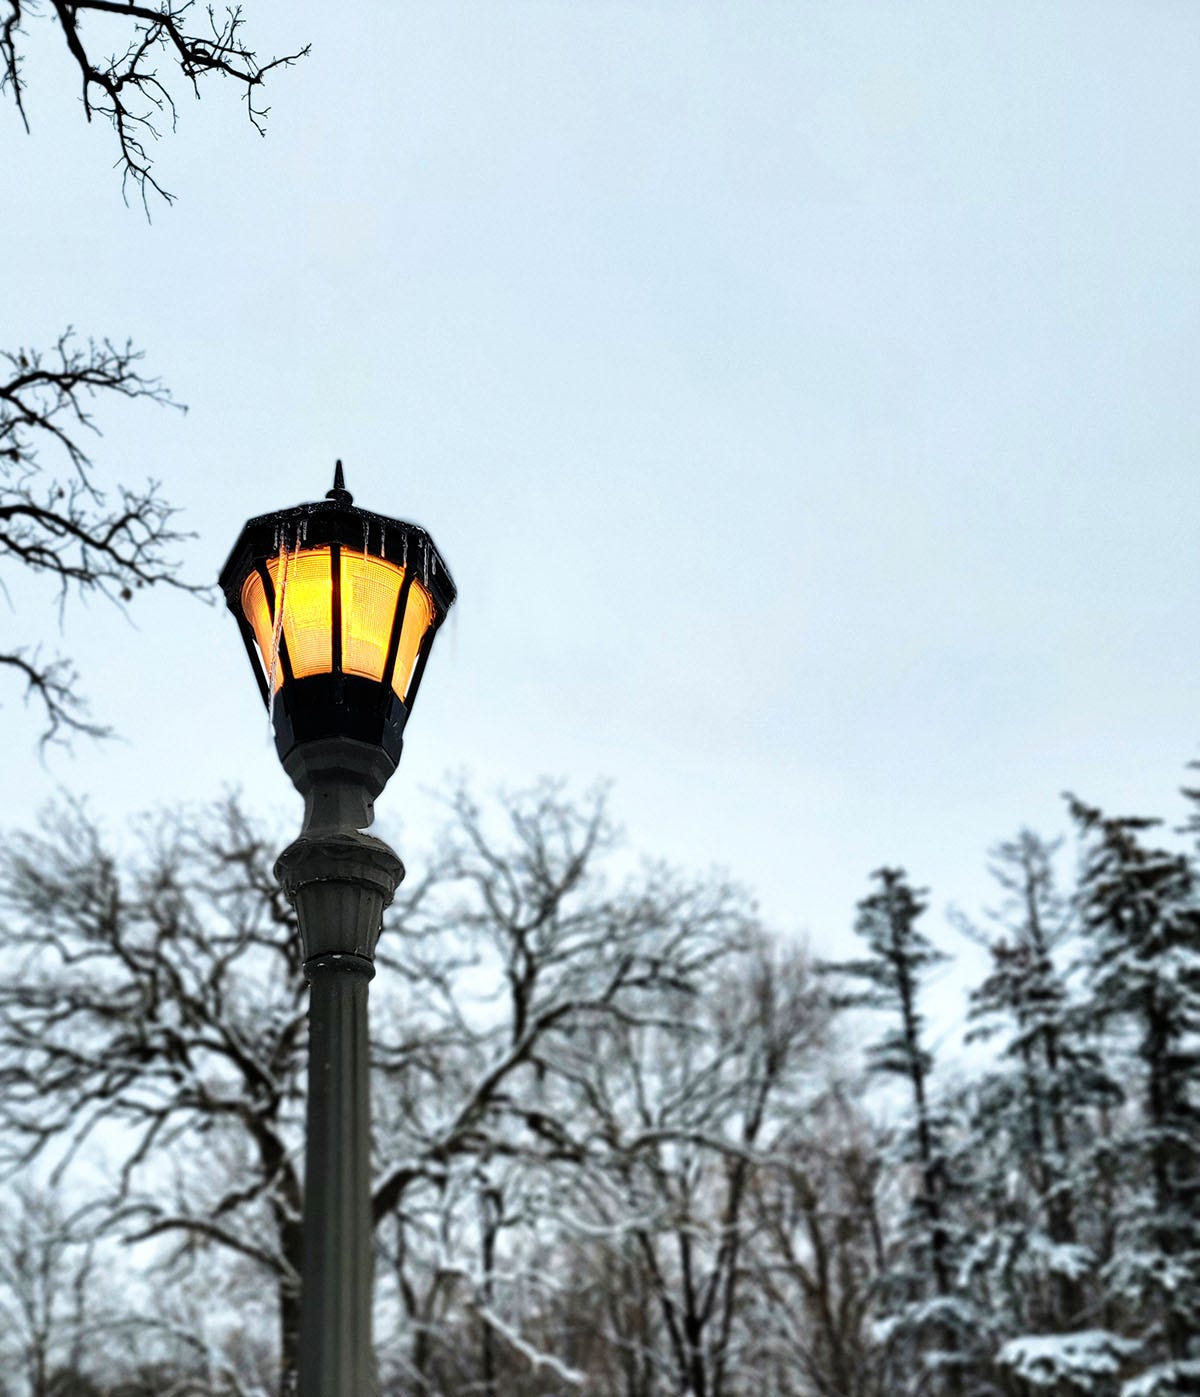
(338, 608)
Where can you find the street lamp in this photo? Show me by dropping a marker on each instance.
(338, 608)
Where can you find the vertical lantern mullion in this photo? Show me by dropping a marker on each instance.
(335, 610)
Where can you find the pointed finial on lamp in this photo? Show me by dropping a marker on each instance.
(339, 493)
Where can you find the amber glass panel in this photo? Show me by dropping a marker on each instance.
(303, 578)
(417, 616)
(304, 582)
(258, 613)
(370, 590)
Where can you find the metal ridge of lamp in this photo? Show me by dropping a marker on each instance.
(338, 608)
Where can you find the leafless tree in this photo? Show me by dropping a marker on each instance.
(156, 998)
(523, 960)
(819, 1247)
(119, 46)
(689, 1107)
(46, 1273)
(58, 520)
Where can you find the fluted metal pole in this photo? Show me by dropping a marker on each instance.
(339, 880)
(335, 1304)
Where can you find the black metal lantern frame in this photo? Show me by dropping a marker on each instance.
(336, 703)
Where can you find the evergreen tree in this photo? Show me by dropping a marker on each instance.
(1139, 908)
(923, 1314)
(1032, 1266)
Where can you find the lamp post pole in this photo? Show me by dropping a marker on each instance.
(340, 880)
(338, 608)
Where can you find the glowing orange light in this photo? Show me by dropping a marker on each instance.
(370, 590)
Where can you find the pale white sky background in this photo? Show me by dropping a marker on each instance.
(803, 395)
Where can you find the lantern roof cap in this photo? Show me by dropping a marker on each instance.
(336, 519)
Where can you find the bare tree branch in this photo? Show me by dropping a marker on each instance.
(57, 521)
(54, 684)
(126, 87)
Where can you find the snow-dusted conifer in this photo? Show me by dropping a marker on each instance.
(1139, 908)
(1032, 1263)
(925, 1321)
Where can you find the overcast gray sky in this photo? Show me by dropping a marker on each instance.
(803, 395)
